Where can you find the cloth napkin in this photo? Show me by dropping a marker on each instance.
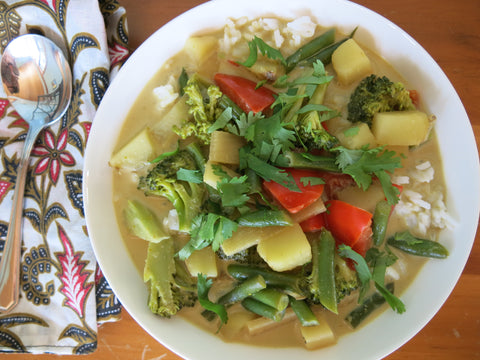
(63, 294)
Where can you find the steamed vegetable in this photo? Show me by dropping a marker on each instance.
(171, 287)
(377, 94)
(256, 181)
(186, 196)
(349, 225)
(245, 93)
(309, 183)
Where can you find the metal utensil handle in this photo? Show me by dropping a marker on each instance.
(10, 262)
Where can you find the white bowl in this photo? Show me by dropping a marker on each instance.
(436, 280)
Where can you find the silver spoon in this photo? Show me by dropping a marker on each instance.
(38, 83)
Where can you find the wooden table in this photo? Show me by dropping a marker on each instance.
(450, 32)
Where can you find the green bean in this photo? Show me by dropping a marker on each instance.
(262, 218)
(247, 288)
(325, 54)
(361, 312)
(415, 246)
(323, 261)
(288, 282)
(273, 298)
(303, 312)
(310, 48)
(262, 309)
(225, 102)
(380, 221)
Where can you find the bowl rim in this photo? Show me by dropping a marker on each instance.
(116, 102)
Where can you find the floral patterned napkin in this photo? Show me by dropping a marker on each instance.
(63, 293)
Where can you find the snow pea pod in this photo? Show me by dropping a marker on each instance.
(310, 48)
(325, 54)
(323, 260)
(415, 246)
(380, 221)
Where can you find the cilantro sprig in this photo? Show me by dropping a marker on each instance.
(258, 45)
(364, 164)
(377, 276)
(208, 229)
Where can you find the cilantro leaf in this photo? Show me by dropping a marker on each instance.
(394, 302)
(362, 164)
(193, 176)
(257, 45)
(222, 120)
(310, 180)
(267, 171)
(361, 267)
(269, 138)
(365, 276)
(233, 190)
(166, 154)
(243, 123)
(203, 288)
(208, 229)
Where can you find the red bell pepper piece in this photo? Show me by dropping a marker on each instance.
(349, 225)
(244, 93)
(314, 223)
(294, 201)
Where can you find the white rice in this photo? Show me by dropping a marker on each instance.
(421, 204)
(166, 94)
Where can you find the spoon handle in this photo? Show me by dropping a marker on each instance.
(10, 262)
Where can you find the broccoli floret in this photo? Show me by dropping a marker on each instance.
(171, 287)
(377, 94)
(204, 106)
(186, 197)
(307, 113)
(312, 134)
(346, 279)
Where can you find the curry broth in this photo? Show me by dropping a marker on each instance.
(146, 113)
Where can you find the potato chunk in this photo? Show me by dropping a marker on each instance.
(224, 147)
(405, 128)
(202, 261)
(357, 136)
(285, 250)
(350, 62)
(199, 48)
(318, 336)
(136, 152)
(246, 237)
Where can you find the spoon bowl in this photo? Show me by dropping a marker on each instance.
(37, 80)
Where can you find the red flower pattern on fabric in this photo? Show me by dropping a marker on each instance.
(73, 275)
(117, 53)
(3, 105)
(52, 154)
